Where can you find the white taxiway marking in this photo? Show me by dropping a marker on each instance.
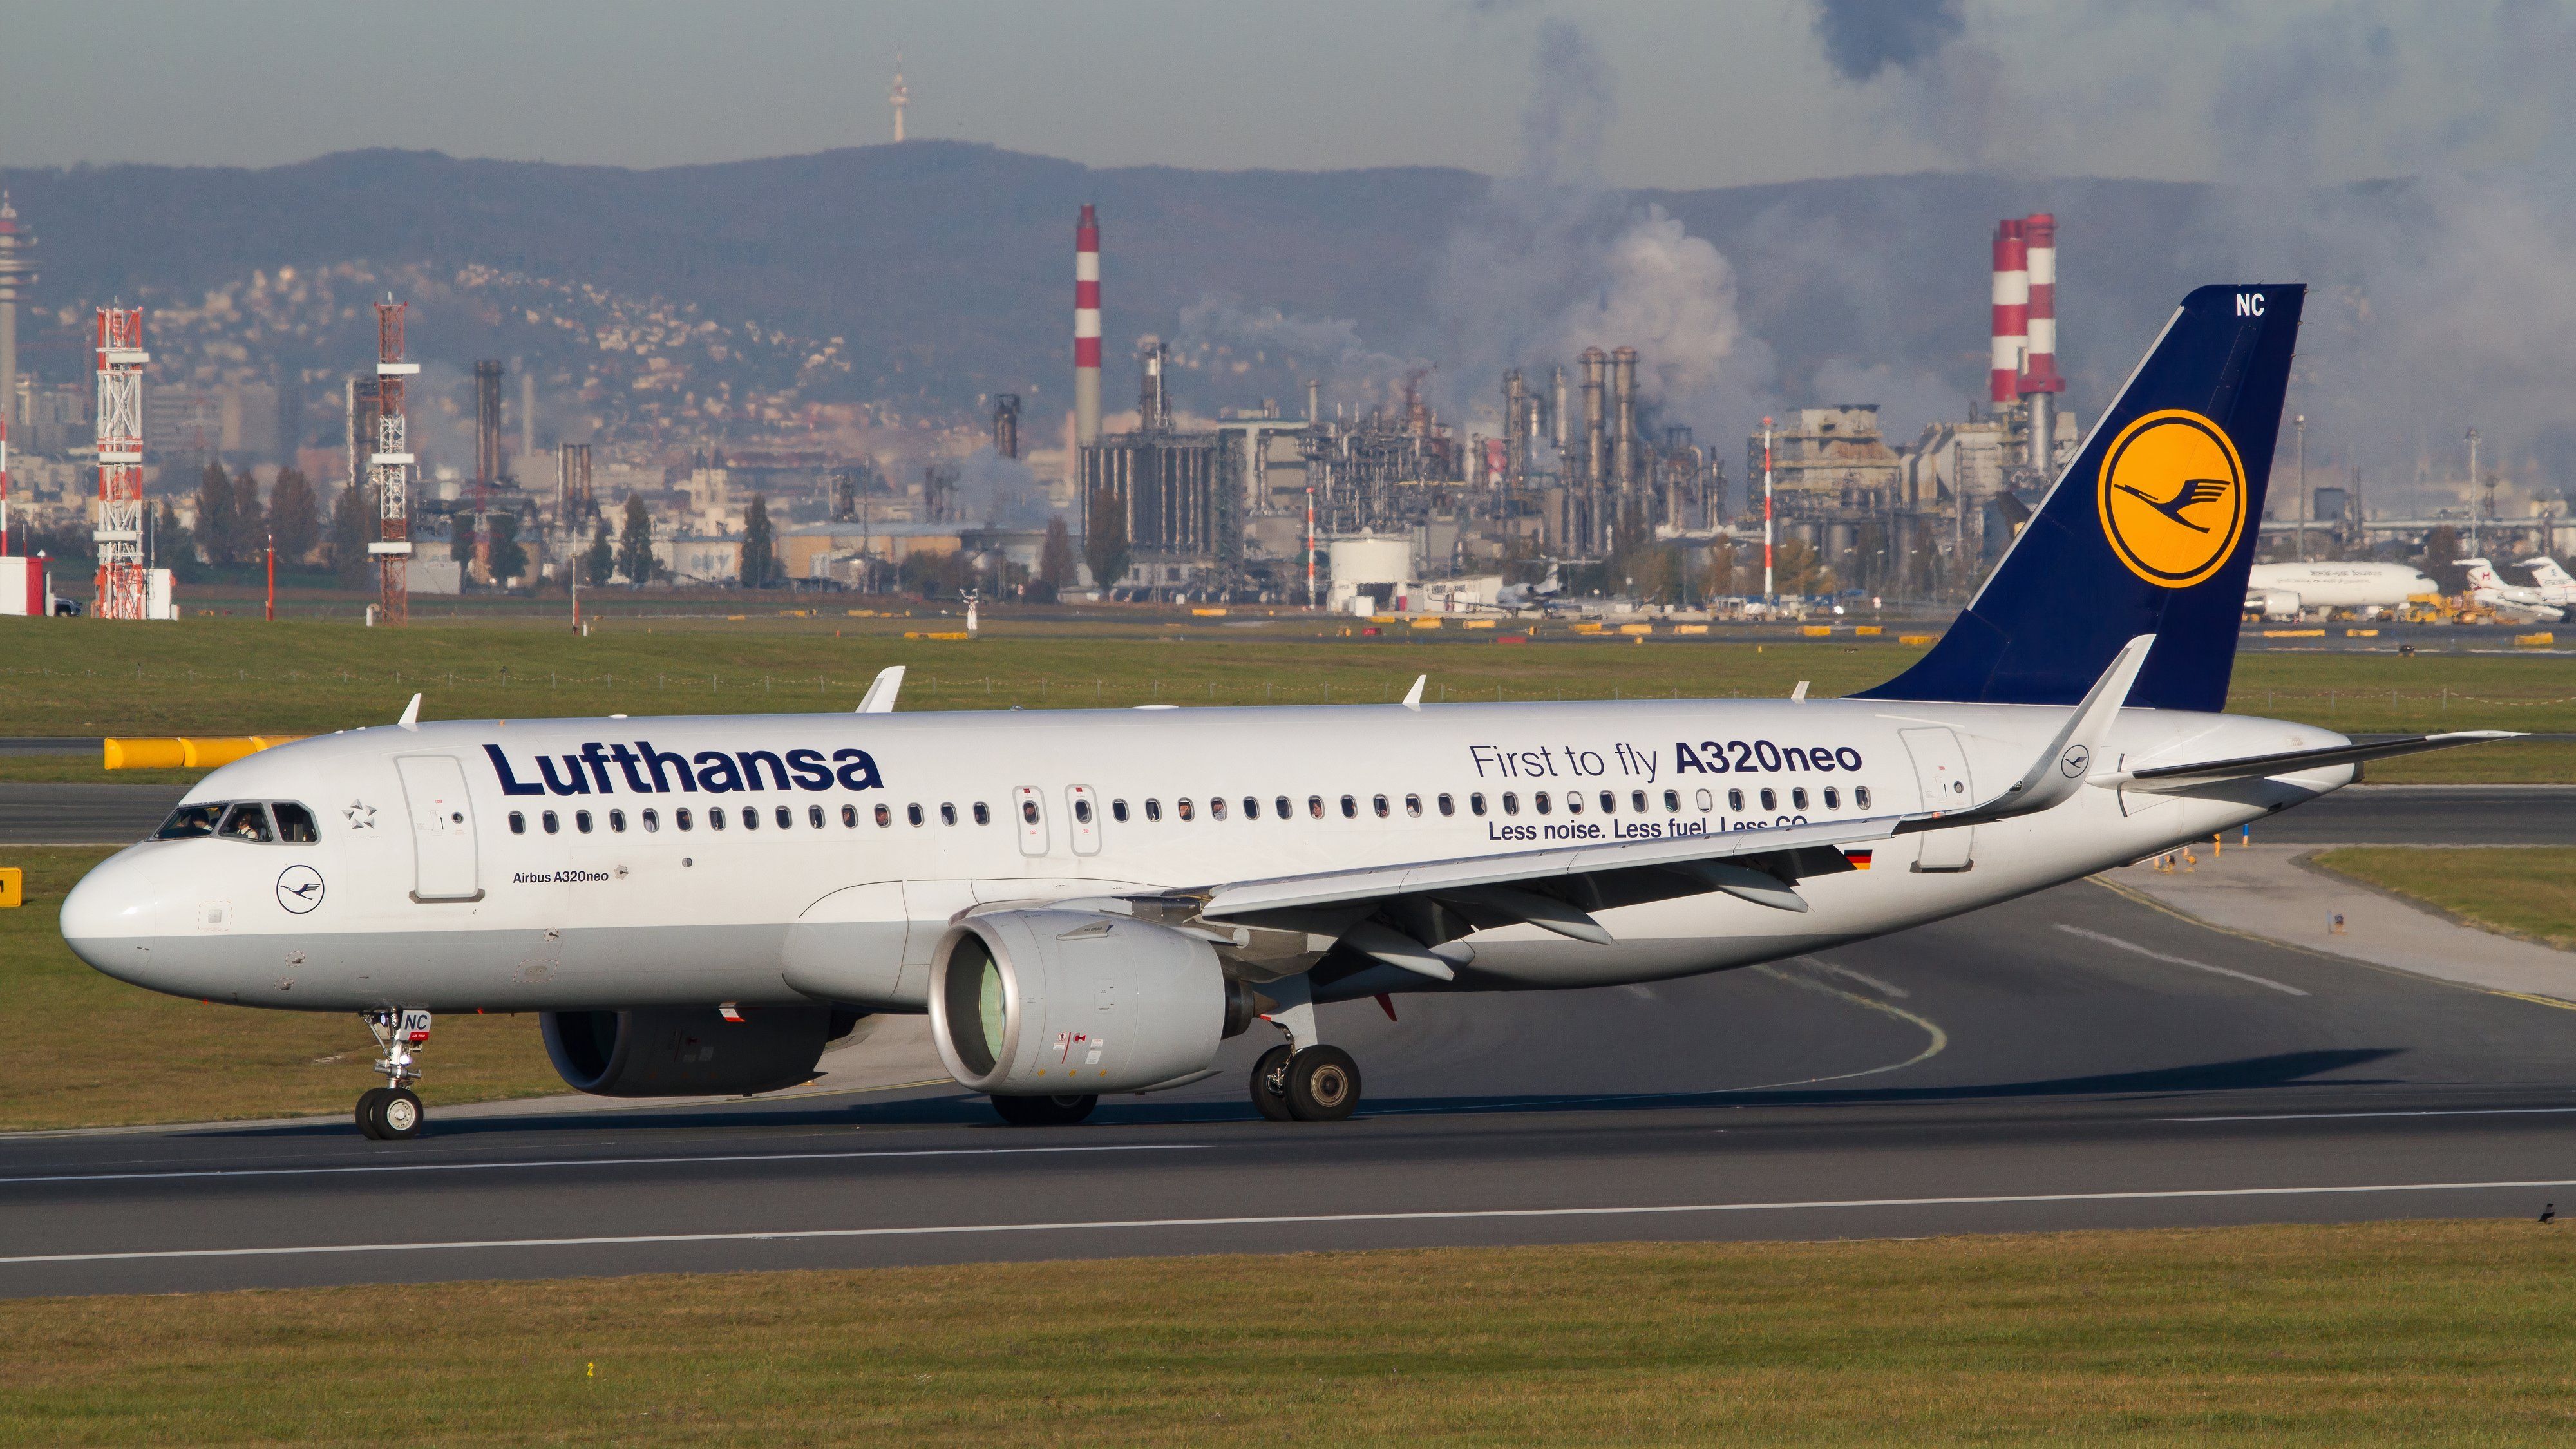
(2425, 1112)
(593, 1162)
(789, 1235)
(2180, 960)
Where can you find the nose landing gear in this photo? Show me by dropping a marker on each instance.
(392, 1112)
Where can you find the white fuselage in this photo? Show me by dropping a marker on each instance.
(431, 885)
(2338, 585)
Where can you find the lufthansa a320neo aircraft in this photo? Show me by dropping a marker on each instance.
(1090, 902)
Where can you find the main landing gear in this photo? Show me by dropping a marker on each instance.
(1301, 1079)
(392, 1112)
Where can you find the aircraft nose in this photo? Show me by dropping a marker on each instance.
(105, 919)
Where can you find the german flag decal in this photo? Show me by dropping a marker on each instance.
(1859, 858)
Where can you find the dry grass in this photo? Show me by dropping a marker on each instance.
(2421, 1333)
(2525, 891)
(78, 1049)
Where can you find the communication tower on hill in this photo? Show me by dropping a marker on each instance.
(119, 531)
(389, 467)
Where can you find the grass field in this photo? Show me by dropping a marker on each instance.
(2412, 1333)
(2525, 891)
(83, 1050)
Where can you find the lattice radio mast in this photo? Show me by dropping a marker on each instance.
(389, 468)
(119, 532)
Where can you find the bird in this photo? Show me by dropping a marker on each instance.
(2194, 492)
(2549, 1212)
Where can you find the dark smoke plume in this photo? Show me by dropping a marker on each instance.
(1863, 37)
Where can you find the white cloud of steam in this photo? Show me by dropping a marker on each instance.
(1553, 262)
(1328, 349)
(997, 490)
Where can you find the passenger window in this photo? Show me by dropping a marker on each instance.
(1476, 803)
(581, 821)
(1610, 801)
(1448, 806)
(786, 818)
(190, 822)
(1770, 799)
(518, 824)
(1833, 798)
(1413, 805)
(294, 823)
(246, 822)
(1573, 802)
(680, 817)
(617, 821)
(1860, 796)
(1798, 798)
(850, 816)
(1350, 807)
(1672, 802)
(1281, 806)
(1081, 812)
(1117, 811)
(1216, 808)
(984, 813)
(1735, 800)
(715, 817)
(1637, 800)
(948, 812)
(1538, 799)
(1511, 803)
(553, 823)
(652, 821)
(1028, 812)
(1704, 800)
(913, 813)
(814, 816)
(1251, 807)
(1315, 807)
(1181, 808)
(1153, 809)
(1378, 803)
(751, 817)
(884, 816)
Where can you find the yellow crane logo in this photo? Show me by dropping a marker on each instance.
(2172, 497)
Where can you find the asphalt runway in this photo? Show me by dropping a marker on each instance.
(2076, 1059)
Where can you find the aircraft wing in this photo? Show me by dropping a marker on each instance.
(1401, 914)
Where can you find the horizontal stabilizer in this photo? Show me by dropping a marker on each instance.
(2286, 762)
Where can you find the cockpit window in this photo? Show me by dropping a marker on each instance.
(294, 823)
(188, 822)
(246, 821)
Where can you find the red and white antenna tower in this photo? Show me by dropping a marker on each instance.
(389, 467)
(119, 531)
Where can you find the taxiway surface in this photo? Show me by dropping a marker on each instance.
(2075, 1059)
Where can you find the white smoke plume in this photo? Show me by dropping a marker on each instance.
(1327, 349)
(992, 489)
(1553, 262)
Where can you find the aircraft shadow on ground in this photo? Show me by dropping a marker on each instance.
(957, 1108)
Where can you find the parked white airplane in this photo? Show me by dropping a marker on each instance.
(1090, 902)
(1540, 594)
(2281, 590)
(2552, 583)
(2486, 587)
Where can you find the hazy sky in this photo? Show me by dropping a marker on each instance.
(1707, 92)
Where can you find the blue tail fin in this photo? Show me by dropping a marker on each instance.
(2150, 532)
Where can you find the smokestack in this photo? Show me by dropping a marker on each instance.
(1515, 434)
(2039, 380)
(15, 269)
(487, 420)
(527, 411)
(1314, 401)
(1556, 410)
(1153, 404)
(1086, 328)
(2012, 313)
(1623, 387)
(1006, 424)
(1595, 464)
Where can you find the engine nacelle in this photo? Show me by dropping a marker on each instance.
(682, 1051)
(2276, 603)
(1041, 1002)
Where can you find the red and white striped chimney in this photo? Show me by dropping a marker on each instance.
(1086, 329)
(2039, 372)
(2012, 314)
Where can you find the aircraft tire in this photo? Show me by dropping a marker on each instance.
(1323, 1084)
(367, 1111)
(1270, 1084)
(397, 1115)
